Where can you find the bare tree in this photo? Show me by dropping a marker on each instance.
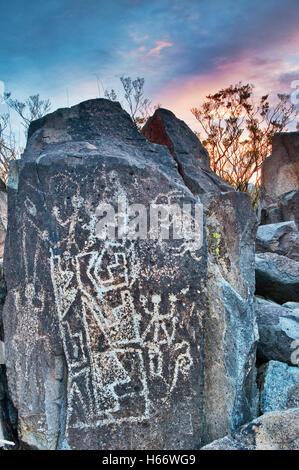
(138, 106)
(8, 150)
(30, 110)
(238, 130)
(33, 108)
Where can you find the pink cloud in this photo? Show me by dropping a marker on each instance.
(270, 70)
(160, 45)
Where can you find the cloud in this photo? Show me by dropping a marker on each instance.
(137, 38)
(160, 45)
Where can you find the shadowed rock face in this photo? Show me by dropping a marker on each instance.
(281, 238)
(278, 330)
(280, 181)
(280, 171)
(277, 277)
(192, 158)
(105, 338)
(276, 430)
(279, 386)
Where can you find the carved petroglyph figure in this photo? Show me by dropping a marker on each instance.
(110, 357)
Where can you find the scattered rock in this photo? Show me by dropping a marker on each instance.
(281, 238)
(277, 277)
(278, 329)
(276, 430)
(279, 387)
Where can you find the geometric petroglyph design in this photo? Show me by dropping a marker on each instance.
(105, 346)
(111, 354)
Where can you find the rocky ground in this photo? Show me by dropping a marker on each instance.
(146, 344)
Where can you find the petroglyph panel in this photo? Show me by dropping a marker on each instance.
(122, 318)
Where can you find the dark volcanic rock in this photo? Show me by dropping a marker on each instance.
(279, 387)
(278, 330)
(230, 329)
(192, 158)
(277, 430)
(285, 208)
(280, 181)
(277, 277)
(280, 171)
(105, 338)
(281, 238)
(3, 219)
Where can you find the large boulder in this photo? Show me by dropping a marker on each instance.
(192, 158)
(285, 208)
(8, 417)
(3, 216)
(230, 327)
(280, 181)
(279, 387)
(277, 277)
(104, 336)
(278, 330)
(276, 430)
(280, 171)
(281, 238)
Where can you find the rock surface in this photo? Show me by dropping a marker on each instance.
(192, 158)
(3, 217)
(280, 171)
(279, 387)
(284, 208)
(105, 344)
(277, 277)
(8, 417)
(230, 327)
(277, 430)
(281, 238)
(291, 305)
(278, 330)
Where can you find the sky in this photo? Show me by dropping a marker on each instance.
(71, 50)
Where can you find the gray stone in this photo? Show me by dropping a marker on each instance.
(277, 277)
(3, 220)
(230, 328)
(276, 430)
(280, 171)
(291, 305)
(230, 325)
(105, 344)
(281, 238)
(278, 330)
(284, 208)
(288, 204)
(279, 387)
(280, 181)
